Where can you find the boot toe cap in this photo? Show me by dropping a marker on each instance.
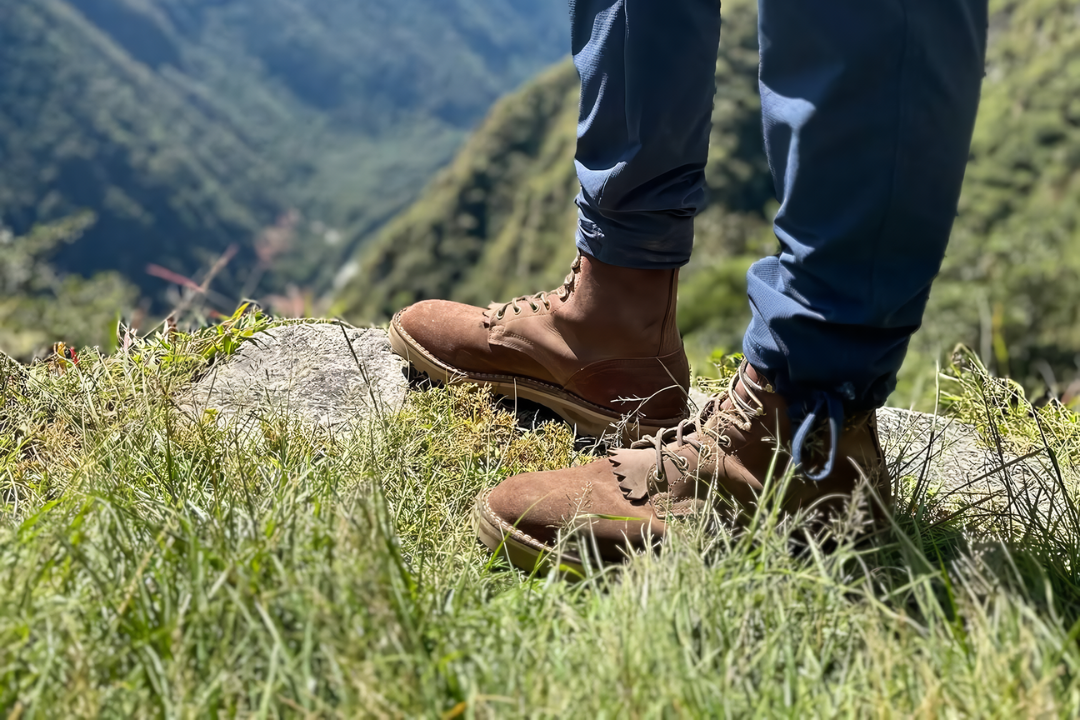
(543, 505)
(452, 332)
(528, 504)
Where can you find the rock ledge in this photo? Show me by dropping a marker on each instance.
(328, 374)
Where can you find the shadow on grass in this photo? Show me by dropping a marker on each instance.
(531, 416)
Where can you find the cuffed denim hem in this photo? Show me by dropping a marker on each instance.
(647, 84)
(641, 243)
(845, 363)
(868, 114)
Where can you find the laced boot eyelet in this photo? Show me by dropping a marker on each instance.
(517, 311)
(499, 315)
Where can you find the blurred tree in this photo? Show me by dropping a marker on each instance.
(190, 125)
(39, 306)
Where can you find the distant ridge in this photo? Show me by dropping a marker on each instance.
(187, 125)
(499, 221)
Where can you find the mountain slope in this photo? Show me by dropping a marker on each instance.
(500, 220)
(1011, 281)
(187, 125)
(1010, 284)
(508, 193)
(82, 125)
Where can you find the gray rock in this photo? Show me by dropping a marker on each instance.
(957, 465)
(326, 374)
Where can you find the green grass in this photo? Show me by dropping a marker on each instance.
(155, 566)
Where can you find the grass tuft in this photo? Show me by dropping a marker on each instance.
(152, 564)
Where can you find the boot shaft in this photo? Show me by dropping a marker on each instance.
(630, 312)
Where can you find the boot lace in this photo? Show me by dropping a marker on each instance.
(540, 298)
(740, 414)
(833, 408)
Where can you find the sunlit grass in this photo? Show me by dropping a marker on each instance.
(153, 564)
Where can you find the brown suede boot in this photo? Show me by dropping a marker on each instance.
(722, 457)
(601, 350)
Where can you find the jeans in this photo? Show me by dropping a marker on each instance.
(869, 107)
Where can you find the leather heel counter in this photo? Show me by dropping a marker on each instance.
(670, 338)
(883, 479)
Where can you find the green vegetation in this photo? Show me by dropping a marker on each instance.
(157, 564)
(500, 220)
(39, 306)
(497, 218)
(1010, 285)
(189, 125)
(152, 564)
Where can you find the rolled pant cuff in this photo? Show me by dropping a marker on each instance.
(642, 241)
(801, 399)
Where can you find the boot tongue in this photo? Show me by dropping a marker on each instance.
(633, 467)
(751, 390)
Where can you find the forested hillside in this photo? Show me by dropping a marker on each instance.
(499, 221)
(189, 125)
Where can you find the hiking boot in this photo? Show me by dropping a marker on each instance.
(720, 458)
(601, 350)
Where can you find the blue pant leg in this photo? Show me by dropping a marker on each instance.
(647, 83)
(869, 107)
